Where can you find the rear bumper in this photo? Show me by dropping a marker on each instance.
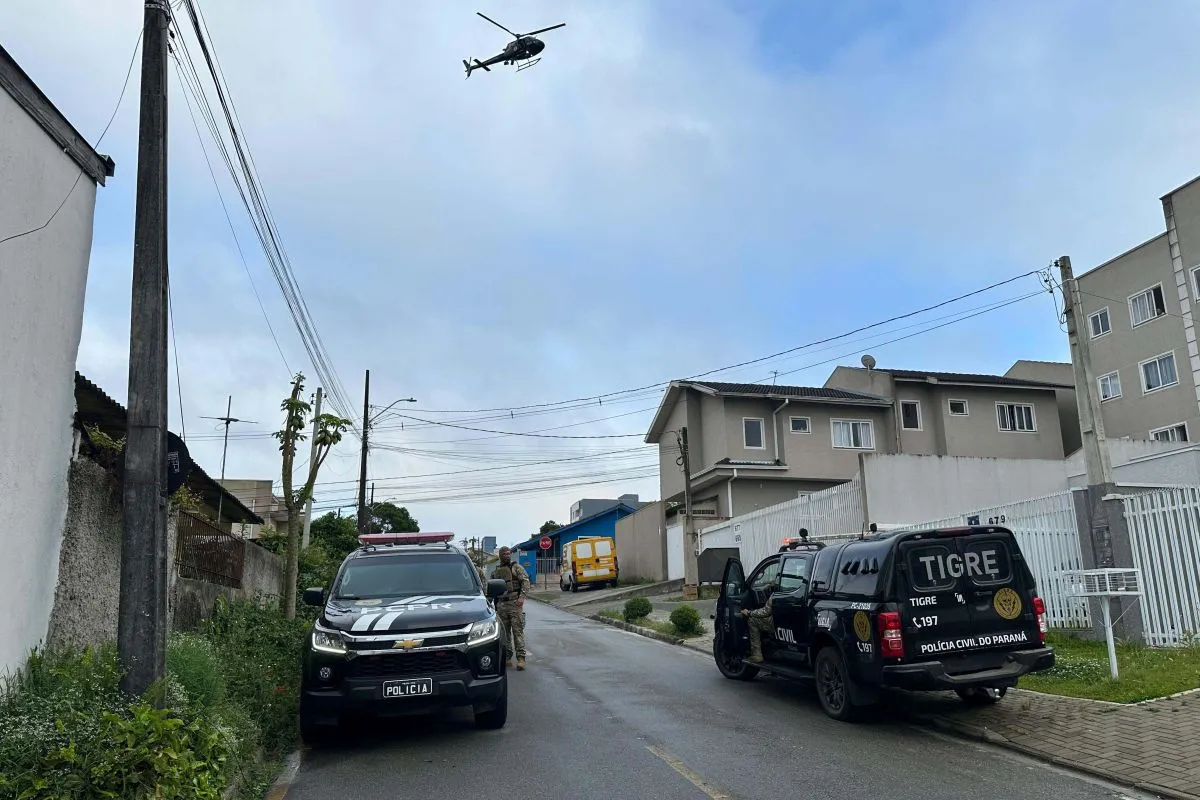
(933, 675)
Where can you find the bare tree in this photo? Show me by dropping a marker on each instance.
(329, 430)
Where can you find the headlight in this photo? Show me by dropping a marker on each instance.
(483, 631)
(328, 642)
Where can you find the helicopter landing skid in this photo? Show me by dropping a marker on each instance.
(527, 64)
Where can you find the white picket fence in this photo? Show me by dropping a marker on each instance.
(1164, 530)
(1048, 534)
(833, 513)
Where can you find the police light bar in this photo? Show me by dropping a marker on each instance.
(404, 538)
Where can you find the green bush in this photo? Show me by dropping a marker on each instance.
(637, 608)
(686, 620)
(70, 735)
(196, 681)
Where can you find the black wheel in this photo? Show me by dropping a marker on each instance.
(574, 586)
(982, 695)
(731, 665)
(833, 686)
(494, 719)
(312, 732)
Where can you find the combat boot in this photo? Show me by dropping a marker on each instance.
(520, 663)
(755, 655)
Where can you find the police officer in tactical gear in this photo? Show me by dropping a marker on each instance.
(760, 622)
(511, 607)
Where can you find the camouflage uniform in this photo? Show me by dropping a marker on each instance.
(512, 616)
(760, 622)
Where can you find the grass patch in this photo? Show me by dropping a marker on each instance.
(654, 625)
(1081, 670)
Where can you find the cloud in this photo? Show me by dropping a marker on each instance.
(676, 186)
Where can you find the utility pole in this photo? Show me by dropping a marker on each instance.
(691, 561)
(1107, 535)
(372, 493)
(311, 457)
(227, 419)
(142, 607)
(1091, 421)
(362, 470)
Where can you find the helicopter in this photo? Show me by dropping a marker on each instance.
(524, 48)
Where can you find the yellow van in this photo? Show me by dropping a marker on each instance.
(588, 561)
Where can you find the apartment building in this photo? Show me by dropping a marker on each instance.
(752, 445)
(1139, 312)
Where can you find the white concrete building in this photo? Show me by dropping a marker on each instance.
(48, 180)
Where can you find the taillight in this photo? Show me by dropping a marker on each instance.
(1039, 607)
(891, 640)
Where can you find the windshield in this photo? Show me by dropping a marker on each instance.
(400, 576)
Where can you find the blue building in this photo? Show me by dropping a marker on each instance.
(603, 523)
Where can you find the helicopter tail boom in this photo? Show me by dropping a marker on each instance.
(477, 65)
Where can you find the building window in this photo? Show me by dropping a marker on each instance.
(1159, 373)
(1110, 386)
(1147, 305)
(752, 434)
(910, 415)
(1196, 280)
(1171, 433)
(958, 408)
(1100, 323)
(801, 425)
(1015, 417)
(853, 434)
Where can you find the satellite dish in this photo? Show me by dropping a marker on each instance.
(868, 361)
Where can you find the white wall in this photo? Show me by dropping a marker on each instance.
(909, 488)
(42, 281)
(1156, 463)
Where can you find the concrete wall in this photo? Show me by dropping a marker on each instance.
(42, 281)
(86, 598)
(1147, 462)
(641, 544)
(908, 488)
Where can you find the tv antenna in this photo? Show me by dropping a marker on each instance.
(228, 420)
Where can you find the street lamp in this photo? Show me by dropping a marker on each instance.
(368, 420)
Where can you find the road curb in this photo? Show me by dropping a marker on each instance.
(638, 629)
(286, 777)
(980, 733)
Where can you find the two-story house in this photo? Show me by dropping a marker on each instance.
(751, 445)
(1139, 320)
(956, 414)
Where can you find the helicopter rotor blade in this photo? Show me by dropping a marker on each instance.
(498, 25)
(543, 30)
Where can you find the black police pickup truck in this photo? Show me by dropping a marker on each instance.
(406, 628)
(917, 609)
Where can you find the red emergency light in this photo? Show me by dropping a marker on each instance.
(404, 538)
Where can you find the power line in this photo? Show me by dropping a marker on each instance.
(253, 198)
(103, 133)
(754, 360)
(228, 219)
(514, 433)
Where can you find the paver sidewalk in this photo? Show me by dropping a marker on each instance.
(1153, 746)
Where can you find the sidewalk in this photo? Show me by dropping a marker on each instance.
(1152, 746)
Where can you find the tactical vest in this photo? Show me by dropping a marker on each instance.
(508, 575)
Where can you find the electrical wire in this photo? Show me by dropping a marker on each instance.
(128, 72)
(228, 219)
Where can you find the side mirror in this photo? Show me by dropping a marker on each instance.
(314, 596)
(496, 589)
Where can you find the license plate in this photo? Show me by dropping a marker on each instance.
(418, 687)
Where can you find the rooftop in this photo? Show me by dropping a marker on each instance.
(95, 407)
(967, 377)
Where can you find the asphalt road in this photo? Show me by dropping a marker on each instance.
(601, 714)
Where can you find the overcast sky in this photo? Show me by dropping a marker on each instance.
(679, 185)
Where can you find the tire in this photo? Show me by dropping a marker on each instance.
(494, 719)
(833, 686)
(982, 695)
(733, 667)
(574, 586)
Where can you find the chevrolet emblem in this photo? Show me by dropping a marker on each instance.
(407, 644)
